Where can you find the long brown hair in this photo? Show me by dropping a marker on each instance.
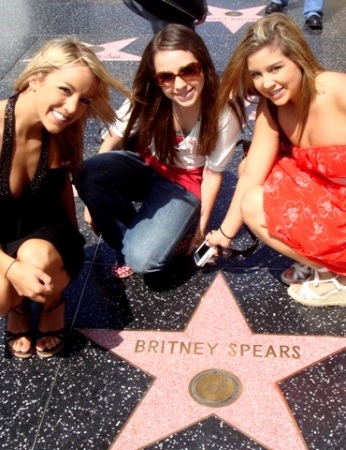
(152, 113)
(56, 54)
(276, 29)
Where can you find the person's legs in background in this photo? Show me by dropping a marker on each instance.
(313, 13)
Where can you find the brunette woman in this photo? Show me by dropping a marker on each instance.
(180, 148)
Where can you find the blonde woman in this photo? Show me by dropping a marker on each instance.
(41, 142)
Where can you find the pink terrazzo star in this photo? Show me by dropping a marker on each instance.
(111, 51)
(233, 19)
(217, 337)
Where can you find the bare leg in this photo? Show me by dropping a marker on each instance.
(43, 255)
(253, 215)
(18, 318)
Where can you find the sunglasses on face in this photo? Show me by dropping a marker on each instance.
(187, 73)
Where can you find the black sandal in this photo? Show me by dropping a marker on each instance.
(10, 336)
(59, 334)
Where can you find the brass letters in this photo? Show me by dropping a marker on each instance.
(205, 348)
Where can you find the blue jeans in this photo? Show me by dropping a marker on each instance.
(311, 7)
(145, 237)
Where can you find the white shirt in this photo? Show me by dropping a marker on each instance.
(186, 158)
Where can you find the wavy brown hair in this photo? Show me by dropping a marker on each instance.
(152, 114)
(56, 54)
(279, 30)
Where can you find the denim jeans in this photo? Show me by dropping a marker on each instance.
(311, 7)
(145, 237)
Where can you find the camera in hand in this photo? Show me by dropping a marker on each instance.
(204, 253)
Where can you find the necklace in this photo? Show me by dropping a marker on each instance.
(188, 140)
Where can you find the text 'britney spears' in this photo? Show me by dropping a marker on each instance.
(206, 348)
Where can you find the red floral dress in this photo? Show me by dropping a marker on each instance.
(307, 210)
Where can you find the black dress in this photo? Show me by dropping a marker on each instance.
(38, 212)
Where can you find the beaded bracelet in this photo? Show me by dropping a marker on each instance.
(9, 267)
(225, 234)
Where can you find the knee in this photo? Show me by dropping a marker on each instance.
(142, 265)
(96, 174)
(83, 179)
(143, 255)
(252, 206)
(41, 254)
(143, 261)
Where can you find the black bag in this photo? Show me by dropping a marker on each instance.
(179, 11)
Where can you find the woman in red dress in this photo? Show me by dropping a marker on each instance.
(292, 188)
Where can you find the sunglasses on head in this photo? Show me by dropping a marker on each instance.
(189, 72)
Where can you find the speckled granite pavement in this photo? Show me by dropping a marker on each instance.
(139, 350)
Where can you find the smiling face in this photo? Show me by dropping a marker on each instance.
(62, 96)
(186, 92)
(275, 76)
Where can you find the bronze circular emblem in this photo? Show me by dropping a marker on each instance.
(215, 388)
(233, 13)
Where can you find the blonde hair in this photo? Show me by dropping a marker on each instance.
(274, 30)
(56, 54)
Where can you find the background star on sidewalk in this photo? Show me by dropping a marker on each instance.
(110, 51)
(233, 19)
(217, 337)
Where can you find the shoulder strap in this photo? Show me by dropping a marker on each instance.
(6, 148)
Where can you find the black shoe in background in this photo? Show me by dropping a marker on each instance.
(273, 8)
(314, 22)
